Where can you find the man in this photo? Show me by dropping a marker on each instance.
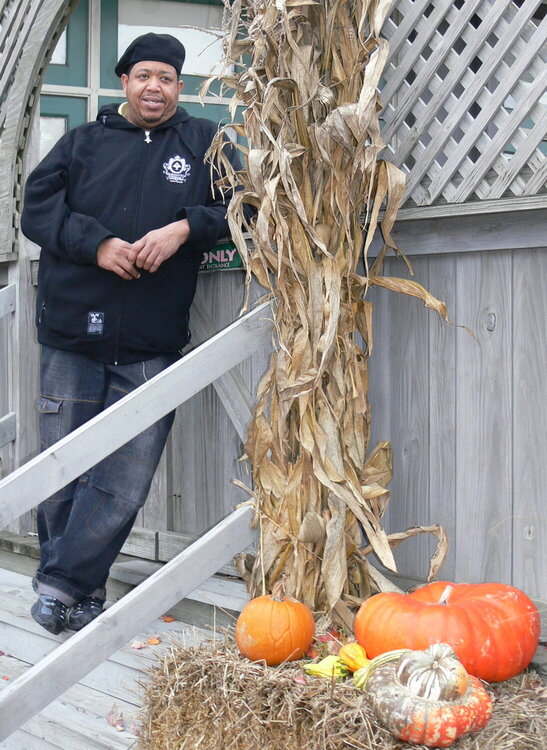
(123, 210)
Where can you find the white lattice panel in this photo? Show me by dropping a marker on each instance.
(464, 98)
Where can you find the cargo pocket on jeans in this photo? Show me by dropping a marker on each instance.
(50, 420)
(48, 405)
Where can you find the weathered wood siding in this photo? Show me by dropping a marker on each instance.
(193, 486)
(464, 404)
(466, 410)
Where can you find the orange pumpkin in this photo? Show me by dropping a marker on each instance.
(492, 627)
(274, 628)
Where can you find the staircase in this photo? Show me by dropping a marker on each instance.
(79, 718)
(75, 677)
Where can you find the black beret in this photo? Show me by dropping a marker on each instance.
(158, 47)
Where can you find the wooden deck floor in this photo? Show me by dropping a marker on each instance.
(78, 719)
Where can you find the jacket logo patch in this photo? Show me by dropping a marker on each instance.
(95, 323)
(176, 169)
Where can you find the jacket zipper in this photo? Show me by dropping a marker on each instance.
(144, 157)
(45, 288)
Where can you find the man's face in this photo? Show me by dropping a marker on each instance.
(152, 90)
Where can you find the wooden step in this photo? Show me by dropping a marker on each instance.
(78, 719)
(214, 604)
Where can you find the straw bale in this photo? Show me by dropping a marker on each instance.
(209, 697)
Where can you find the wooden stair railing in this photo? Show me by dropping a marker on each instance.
(7, 421)
(52, 469)
(67, 459)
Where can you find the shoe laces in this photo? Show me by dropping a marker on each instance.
(57, 608)
(88, 603)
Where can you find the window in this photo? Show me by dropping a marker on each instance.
(203, 48)
(51, 129)
(59, 56)
(80, 77)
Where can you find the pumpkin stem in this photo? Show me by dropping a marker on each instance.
(446, 595)
(278, 589)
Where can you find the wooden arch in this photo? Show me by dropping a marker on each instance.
(29, 31)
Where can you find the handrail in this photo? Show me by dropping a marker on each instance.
(67, 459)
(8, 428)
(88, 648)
(83, 448)
(7, 299)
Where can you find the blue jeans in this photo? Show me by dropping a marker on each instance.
(83, 527)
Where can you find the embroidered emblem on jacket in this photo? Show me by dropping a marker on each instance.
(176, 169)
(95, 323)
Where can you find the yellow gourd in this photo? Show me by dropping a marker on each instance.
(354, 655)
(331, 667)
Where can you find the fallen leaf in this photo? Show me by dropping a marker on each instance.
(153, 640)
(168, 618)
(115, 718)
(300, 679)
(5, 677)
(138, 644)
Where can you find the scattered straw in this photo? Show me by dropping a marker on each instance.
(209, 697)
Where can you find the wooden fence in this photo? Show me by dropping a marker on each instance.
(466, 409)
(29, 31)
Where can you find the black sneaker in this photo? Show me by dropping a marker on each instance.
(50, 613)
(84, 612)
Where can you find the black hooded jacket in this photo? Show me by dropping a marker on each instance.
(111, 178)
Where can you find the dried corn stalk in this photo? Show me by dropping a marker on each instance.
(307, 74)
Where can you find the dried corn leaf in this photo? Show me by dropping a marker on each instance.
(438, 556)
(312, 529)
(412, 288)
(334, 568)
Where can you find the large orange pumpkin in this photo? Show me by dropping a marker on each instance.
(492, 627)
(274, 628)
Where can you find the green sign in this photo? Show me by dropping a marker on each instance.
(223, 257)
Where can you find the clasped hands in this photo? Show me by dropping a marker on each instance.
(126, 258)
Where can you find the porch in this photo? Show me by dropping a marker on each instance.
(465, 118)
